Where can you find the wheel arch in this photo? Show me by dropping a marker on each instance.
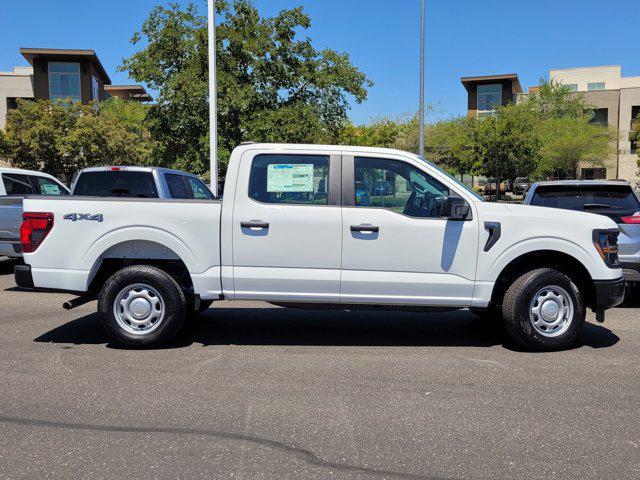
(559, 260)
(138, 252)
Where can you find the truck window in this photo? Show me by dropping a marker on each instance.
(199, 190)
(290, 179)
(586, 197)
(16, 184)
(46, 186)
(119, 183)
(397, 186)
(176, 185)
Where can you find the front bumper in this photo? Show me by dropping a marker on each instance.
(23, 277)
(609, 293)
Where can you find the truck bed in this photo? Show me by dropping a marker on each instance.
(88, 230)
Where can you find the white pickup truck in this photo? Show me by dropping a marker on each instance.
(339, 227)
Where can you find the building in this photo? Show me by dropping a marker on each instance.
(61, 73)
(486, 93)
(616, 100)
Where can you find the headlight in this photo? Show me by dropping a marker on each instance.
(606, 243)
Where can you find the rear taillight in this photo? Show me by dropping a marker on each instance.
(35, 227)
(633, 219)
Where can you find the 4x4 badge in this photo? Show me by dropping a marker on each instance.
(74, 217)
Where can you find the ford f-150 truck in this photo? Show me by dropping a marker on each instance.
(292, 231)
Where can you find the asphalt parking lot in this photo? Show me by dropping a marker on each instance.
(252, 391)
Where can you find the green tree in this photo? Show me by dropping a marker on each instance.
(272, 86)
(565, 129)
(452, 144)
(62, 137)
(378, 133)
(634, 136)
(506, 144)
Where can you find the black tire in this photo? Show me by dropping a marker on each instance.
(167, 289)
(516, 310)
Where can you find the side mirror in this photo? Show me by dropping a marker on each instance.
(454, 208)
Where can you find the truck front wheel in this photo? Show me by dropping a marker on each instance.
(141, 305)
(543, 310)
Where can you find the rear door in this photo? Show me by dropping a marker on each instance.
(287, 226)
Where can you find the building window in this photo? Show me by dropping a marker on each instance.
(595, 86)
(572, 87)
(95, 88)
(489, 97)
(64, 81)
(600, 116)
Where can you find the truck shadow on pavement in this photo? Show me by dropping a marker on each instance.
(278, 326)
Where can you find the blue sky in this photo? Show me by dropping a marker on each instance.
(464, 37)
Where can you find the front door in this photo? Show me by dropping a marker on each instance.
(396, 247)
(287, 227)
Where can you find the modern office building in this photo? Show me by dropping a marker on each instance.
(61, 73)
(616, 100)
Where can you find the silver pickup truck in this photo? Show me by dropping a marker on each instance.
(139, 182)
(15, 184)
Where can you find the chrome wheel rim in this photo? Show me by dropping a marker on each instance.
(138, 309)
(551, 311)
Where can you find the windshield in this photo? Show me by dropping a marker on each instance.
(618, 198)
(451, 177)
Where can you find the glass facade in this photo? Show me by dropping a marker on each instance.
(489, 97)
(64, 81)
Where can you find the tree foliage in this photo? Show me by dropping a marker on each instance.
(62, 137)
(272, 85)
(634, 136)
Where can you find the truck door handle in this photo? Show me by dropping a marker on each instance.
(254, 224)
(365, 228)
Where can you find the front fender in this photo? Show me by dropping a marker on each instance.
(596, 268)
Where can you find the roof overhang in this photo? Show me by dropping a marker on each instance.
(66, 55)
(512, 77)
(136, 92)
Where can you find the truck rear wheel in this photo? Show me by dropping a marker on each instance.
(543, 310)
(141, 305)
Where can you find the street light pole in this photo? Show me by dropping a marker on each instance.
(421, 109)
(213, 98)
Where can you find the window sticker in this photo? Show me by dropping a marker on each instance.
(51, 189)
(290, 177)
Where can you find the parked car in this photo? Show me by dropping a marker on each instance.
(490, 187)
(140, 182)
(614, 199)
(521, 185)
(149, 262)
(15, 184)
